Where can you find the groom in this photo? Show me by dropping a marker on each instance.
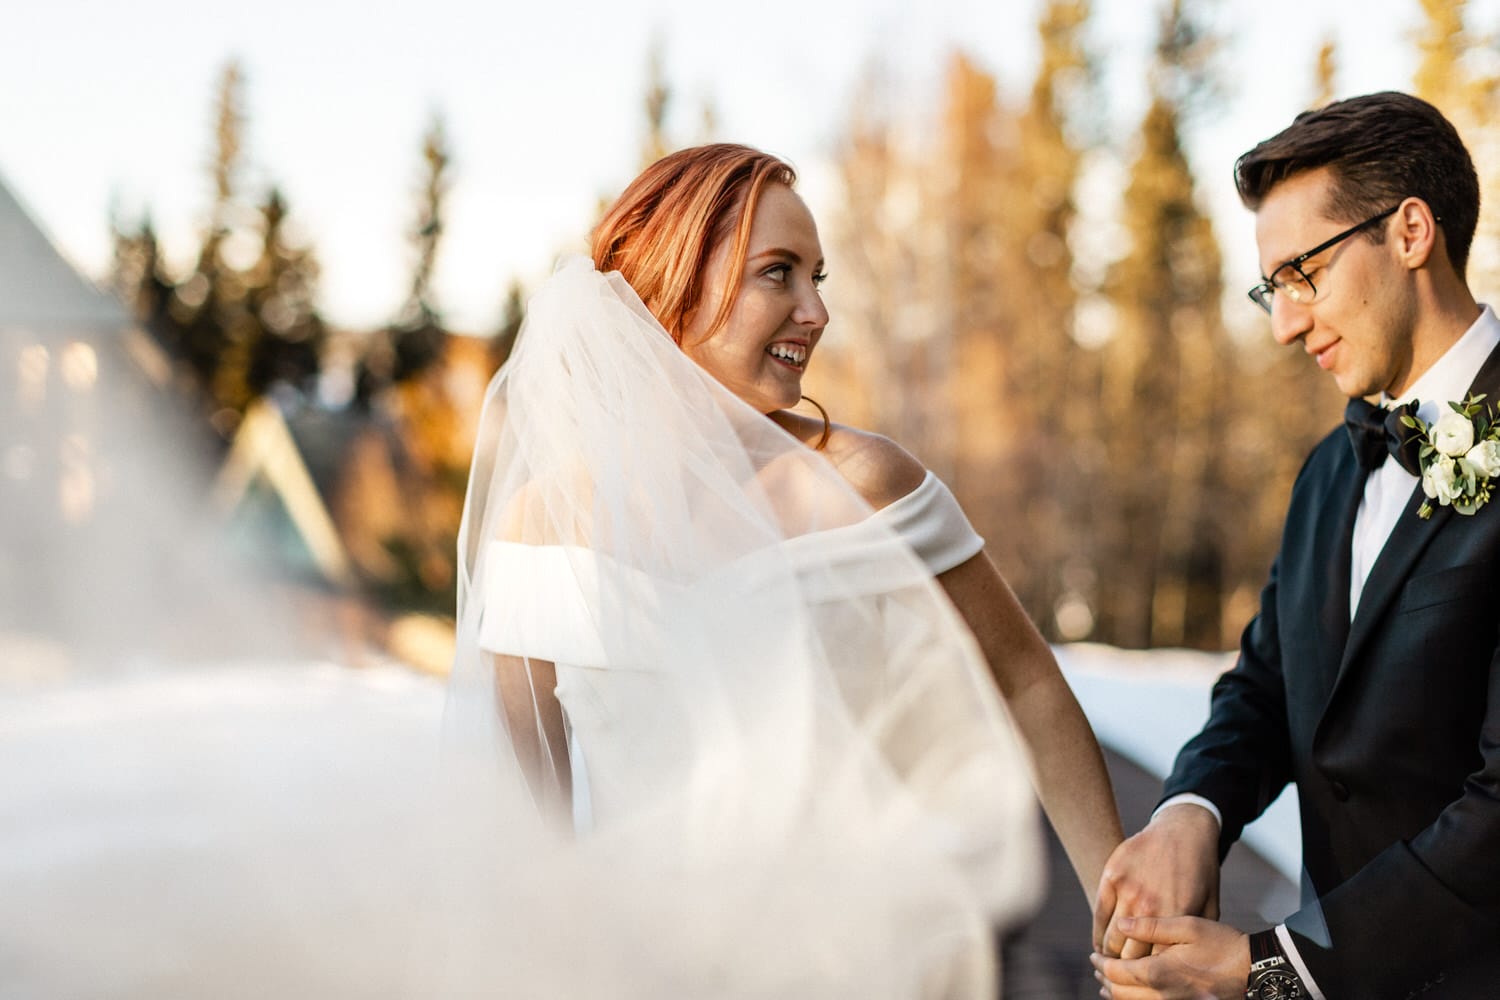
(1371, 676)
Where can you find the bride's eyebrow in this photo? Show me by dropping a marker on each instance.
(790, 255)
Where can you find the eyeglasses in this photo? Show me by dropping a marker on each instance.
(1290, 280)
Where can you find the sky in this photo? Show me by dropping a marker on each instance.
(108, 106)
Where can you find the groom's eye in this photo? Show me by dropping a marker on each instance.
(1294, 278)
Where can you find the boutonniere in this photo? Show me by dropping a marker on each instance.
(1459, 455)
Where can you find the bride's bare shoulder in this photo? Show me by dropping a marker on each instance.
(879, 469)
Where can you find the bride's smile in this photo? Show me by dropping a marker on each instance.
(777, 314)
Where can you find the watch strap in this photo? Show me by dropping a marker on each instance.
(1264, 945)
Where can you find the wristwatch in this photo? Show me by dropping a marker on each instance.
(1271, 975)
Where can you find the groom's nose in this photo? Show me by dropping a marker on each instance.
(1290, 321)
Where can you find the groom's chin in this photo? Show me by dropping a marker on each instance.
(1354, 387)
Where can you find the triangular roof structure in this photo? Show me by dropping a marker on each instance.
(264, 451)
(41, 291)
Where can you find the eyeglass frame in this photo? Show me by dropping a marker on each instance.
(1261, 293)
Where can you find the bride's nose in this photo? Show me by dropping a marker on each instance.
(810, 310)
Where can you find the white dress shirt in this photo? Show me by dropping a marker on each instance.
(1389, 487)
(1387, 492)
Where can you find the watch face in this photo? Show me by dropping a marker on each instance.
(1277, 986)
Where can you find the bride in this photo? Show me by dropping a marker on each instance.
(731, 671)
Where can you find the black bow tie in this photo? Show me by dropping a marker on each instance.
(1375, 432)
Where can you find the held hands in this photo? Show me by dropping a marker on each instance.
(1195, 959)
(1144, 950)
(1171, 867)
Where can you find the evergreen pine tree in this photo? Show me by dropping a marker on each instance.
(218, 334)
(281, 289)
(138, 276)
(415, 340)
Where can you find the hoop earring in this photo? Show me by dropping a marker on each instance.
(827, 426)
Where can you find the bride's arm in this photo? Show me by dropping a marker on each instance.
(1068, 766)
(525, 693)
(526, 687)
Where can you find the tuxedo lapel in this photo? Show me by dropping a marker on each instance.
(1337, 557)
(1407, 541)
(1388, 575)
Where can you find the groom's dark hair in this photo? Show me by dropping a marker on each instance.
(1381, 148)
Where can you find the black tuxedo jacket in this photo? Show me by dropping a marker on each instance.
(1390, 728)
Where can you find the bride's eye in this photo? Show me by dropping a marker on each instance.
(819, 278)
(778, 272)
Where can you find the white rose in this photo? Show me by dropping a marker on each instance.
(1441, 481)
(1453, 434)
(1485, 458)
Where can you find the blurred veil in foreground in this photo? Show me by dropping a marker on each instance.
(802, 781)
(194, 800)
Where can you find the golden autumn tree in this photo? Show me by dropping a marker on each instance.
(973, 352)
(658, 98)
(1163, 388)
(1273, 406)
(873, 368)
(1325, 74)
(1035, 407)
(1015, 374)
(953, 297)
(1455, 75)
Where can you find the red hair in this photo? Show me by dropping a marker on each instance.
(662, 230)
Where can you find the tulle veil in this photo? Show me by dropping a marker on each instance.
(794, 776)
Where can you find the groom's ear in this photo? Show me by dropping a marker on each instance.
(1417, 242)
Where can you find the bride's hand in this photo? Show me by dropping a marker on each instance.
(1170, 868)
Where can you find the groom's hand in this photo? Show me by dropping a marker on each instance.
(1170, 868)
(1196, 960)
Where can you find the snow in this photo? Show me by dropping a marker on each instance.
(1146, 704)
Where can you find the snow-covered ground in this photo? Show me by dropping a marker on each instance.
(1146, 704)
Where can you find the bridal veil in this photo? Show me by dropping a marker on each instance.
(790, 772)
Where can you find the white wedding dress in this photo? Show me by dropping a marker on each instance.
(792, 775)
(538, 595)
